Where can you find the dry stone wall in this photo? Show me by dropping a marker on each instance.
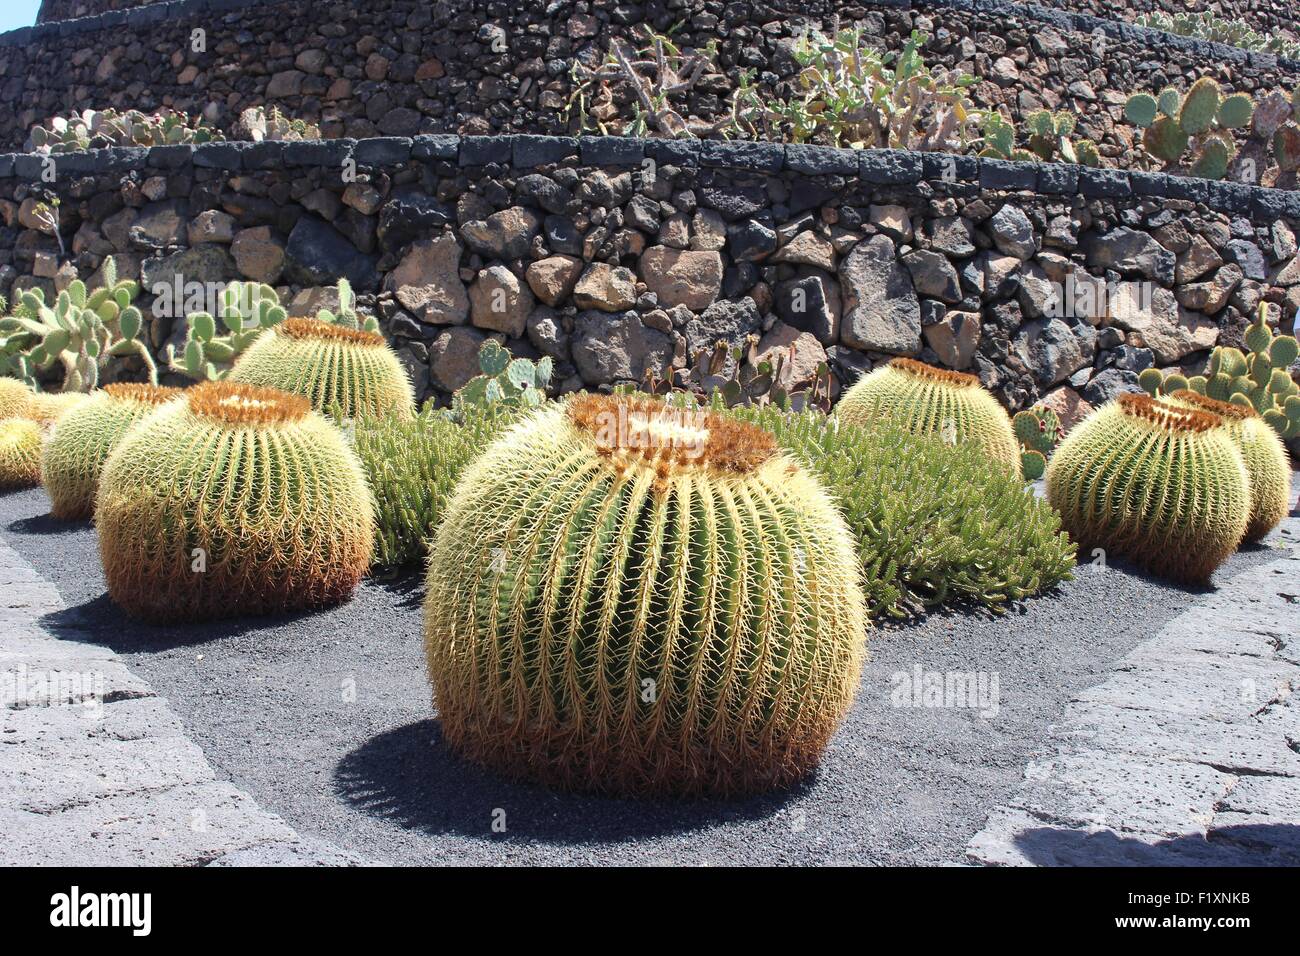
(404, 67)
(616, 256)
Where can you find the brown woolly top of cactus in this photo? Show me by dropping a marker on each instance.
(302, 328)
(141, 392)
(1214, 406)
(670, 439)
(943, 375)
(236, 404)
(1166, 417)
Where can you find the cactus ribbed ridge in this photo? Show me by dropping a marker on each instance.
(235, 500)
(48, 408)
(925, 400)
(1262, 452)
(20, 454)
(631, 597)
(75, 454)
(1158, 484)
(332, 366)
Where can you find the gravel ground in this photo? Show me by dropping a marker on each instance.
(326, 719)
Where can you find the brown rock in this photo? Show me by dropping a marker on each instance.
(553, 278)
(258, 255)
(427, 282)
(808, 248)
(680, 277)
(1070, 407)
(799, 351)
(500, 302)
(605, 287)
(954, 338)
(453, 357)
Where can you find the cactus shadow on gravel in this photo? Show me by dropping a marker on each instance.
(45, 524)
(100, 621)
(408, 776)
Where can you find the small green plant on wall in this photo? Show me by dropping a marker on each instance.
(1192, 133)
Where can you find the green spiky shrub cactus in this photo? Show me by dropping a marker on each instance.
(75, 454)
(232, 500)
(924, 400)
(20, 454)
(1037, 430)
(631, 597)
(335, 367)
(1160, 485)
(1200, 122)
(82, 331)
(933, 524)
(1262, 452)
(412, 467)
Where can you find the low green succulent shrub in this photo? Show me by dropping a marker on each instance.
(933, 523)
(412, 466)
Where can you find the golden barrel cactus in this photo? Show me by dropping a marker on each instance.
(232, 500)
(1263, 453)
(76, 452)
(48, 408)
(630, 597)
(1161, 485)
(335, 367)
(14, 396)
(925, 400)
(20, 454)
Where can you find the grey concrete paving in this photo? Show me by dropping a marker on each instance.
(96, 769)
(1187, 754)
(325, 719)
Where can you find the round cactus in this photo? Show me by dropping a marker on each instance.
(632, 597)
(20, 454)
(14, 397)
(232, 500)
(48, 408)
(930, 401)
(76, 452)
(333, 366)
(1262, 452)
(1158, 484)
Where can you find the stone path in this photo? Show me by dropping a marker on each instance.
(95, 768)
(1188, 754)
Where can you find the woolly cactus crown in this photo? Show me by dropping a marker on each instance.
(1162, 485)
(932, 401)
(334, 367)
(631, 596)
(74, 456)
(1262, 452)
(250, 483)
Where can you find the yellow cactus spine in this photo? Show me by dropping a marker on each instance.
(20, 454)
(48, 408)
(14, 396)
(232, 500)
(1263, 453)
(1160, 485)
(352, 370)
(924, 400)
(631, 597)
(75, 454)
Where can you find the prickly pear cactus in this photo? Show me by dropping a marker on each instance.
(512, 382)
(81, 331)
(1202, 122)
(633, 597)
(1037, 429)
(232, 500)
(1161, 485)
(213, 343)
(924, 400)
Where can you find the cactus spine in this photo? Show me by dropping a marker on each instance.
(632, 597)
(930, 401)
(1201, 121)
(331, 365)
(48, 408)
(14, 398)
(20, 454)
(1160, 485)
(1038, 430)
(75, 454)
(232, 500)
(1262, 452)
